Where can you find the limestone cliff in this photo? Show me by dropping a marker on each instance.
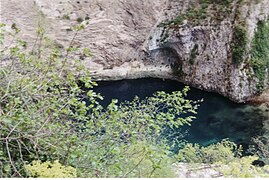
(215, 45)
(218, 46)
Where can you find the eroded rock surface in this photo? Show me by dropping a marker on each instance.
(128, 40)
(207, 43)
(185, 170)
(115, 34)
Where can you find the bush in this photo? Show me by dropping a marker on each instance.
(48, 112)
(243, 168)
(260, 147)
(224, 151)
(227, 156)
(50, 170)
(143, 159)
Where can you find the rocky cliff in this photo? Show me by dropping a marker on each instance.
(215, 45)
(218, 46)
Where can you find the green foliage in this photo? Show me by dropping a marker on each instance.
(122, 126)
(190, 154)
(143, 159)
(40, 100)
(227, 156)
(2, 33)
(243, 168)
(220, 9)
(193, 16)
(260, 148)
(50, 170)
(48, 112)
(260, 52)
(238, 45)
(224, 151)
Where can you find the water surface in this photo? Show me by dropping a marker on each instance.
(217, 117)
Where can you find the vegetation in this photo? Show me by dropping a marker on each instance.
(220, 9)
(224, 152)
(50, 170)
(260, 147)
(50, 119)
(227, 156)
(53, 126)
(260, 52)
(238, 45)
(202, 13)
(243, 168)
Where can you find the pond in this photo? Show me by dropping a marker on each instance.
(217, 117)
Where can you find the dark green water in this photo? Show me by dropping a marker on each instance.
(217, 118)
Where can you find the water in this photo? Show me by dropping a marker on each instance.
(217, 118)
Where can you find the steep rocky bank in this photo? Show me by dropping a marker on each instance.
(212, 45)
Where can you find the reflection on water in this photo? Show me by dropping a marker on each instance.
(217, 118)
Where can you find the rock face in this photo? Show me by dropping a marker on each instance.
(185, 170)
(206, 45)
(213, 46)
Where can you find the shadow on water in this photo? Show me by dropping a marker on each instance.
(217, 117)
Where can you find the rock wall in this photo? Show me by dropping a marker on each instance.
(115, 34)
(144, 38)
(203, 46)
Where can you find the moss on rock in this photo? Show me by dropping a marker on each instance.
(260, 53)
(238, 45)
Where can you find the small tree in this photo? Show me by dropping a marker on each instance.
(48, 112)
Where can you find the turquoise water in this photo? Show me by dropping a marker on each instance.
(217, 118)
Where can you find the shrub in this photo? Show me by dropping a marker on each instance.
(50, 170)
(260, 148)
(48, 112)
(243, 168)
(40, 100)
(143, 159)
(227, 156)
(224, 151)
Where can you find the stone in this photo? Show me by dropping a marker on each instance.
(127, 41)
(186, 170)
